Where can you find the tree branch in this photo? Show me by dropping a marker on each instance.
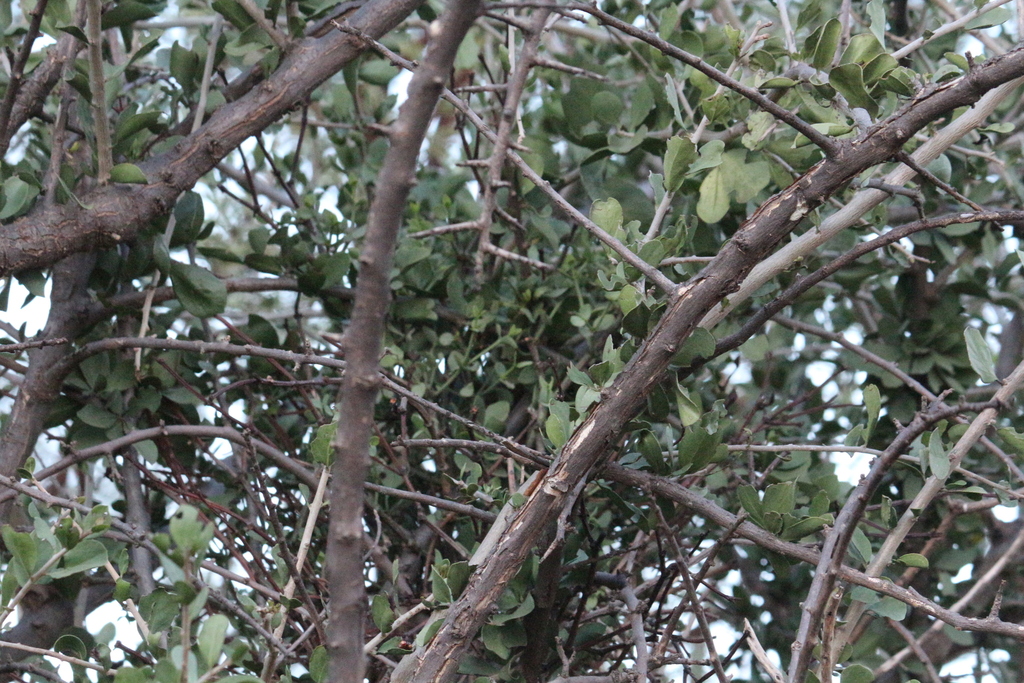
(113, 214)
(362, 342)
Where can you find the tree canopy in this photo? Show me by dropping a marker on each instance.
(403, 341)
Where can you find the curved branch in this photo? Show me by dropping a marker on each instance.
(114, 214)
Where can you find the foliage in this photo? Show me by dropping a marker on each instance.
(603, 304)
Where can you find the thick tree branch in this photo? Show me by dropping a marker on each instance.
(114, 214)
(862, 202)
(363, 339)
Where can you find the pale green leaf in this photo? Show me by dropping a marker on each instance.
(714, 197)
(681, 153)
(938, 459)
(913, 560)
(128, 173)
(211, 638)
(980, 355)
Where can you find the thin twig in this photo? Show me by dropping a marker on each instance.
(204, 87)
(97, 84)
(694, 598)
(636, 624)
(510, 107)
(829, 145)
(915, 646)
(948, 27)
(932, 486)
(621, 250)
(936, 181)
(261, 20)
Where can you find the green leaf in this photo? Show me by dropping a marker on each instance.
(318, 664)
(796, 530)
(136, 123)
(18, 197)
(980, 355)
(127, 674)
(714, 197)
(606, 107)
(820, 47)
(913, 560)
(863, 48)
(381, 612)
(848, 79)
(188, 219)
(233, 12)
(23, 547)
(211, 638)
(128, 174)
(878, 68)
(653, 454)
(122, 590)
(938, 459)
(320, 447)
(751, 502)
(184, 67)
(95, 416)
(88, 554)
(607, 214)
(681, 153)
(577, 376)
(710, 156)
(700, 344)
(778, 82)
(865, 595)
(873, 404)
(890, 608)
(190, 533)
(71, 645)
(857, 673)
(759, 125)
(780, 498)
(74, 31)
(458, 577)
(697, 449)
(690, 409)
(994, 17)
(201, 292)
(861, 545)
(558, 426)
(439, 587)
(127, 12)
(876, 14)
(941, 168)
(491, 635)
(495, 415)
(1013, 439)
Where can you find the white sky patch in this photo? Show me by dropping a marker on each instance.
(399, 87)
(33, 316)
